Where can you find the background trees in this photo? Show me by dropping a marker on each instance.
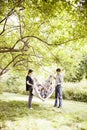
(41, 33)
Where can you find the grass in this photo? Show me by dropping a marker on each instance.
(15, 115)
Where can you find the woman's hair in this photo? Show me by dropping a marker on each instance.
(58, 70)
(30, 71)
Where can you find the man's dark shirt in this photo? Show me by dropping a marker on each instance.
(30, 80)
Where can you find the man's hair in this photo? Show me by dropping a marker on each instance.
(30, 71)
(58, 70)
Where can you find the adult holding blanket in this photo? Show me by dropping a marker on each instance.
(29, 87)
(58, 88)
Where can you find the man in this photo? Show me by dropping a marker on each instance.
(29, 87)
(58, 88)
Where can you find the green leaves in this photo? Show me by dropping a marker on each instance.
(42, 32)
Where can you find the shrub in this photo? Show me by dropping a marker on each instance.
(14, 85)
(1, 87)
(75, 91)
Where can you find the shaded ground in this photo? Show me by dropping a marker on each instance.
(15, 115)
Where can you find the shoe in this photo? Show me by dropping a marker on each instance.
(59, 106)
(55, 106)
(30, 108)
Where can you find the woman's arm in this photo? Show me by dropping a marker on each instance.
(29, 83)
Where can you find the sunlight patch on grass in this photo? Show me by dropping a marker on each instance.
(29, 124)
(15, 115)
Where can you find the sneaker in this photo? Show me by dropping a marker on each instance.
(55, 106)
(59, 106)
(30, 108)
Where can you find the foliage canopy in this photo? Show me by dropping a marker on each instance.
(41, 33)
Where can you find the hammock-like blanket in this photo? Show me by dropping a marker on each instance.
(45, 90)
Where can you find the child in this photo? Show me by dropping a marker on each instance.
(43, 93)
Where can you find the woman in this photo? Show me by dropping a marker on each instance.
(29, 87)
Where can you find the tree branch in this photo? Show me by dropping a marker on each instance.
(4, 50)
(2, 71)
(11, 50)
(4, 26)
(50, 44)
(9, 13)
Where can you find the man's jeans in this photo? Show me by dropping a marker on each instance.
(58, 95)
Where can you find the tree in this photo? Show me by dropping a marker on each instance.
(33, 31)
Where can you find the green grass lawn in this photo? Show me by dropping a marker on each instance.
(15, 115)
